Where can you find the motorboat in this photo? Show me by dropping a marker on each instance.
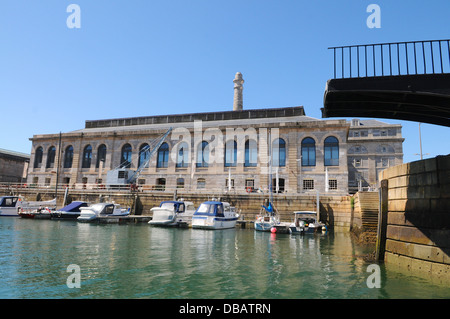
(70, 211)
(172, 213)
(99, 210)
(40, 213)
(306, 222)
(266, 221)
(215, 215)
(10, 205)
(13, 205)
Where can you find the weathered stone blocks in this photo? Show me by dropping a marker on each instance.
(418, 230)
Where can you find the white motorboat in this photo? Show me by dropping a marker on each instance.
(215, 215)
(13, 205)
(306, 222)
(172, 213)
(93, 212)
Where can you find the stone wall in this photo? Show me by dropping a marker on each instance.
(365, 215)
(418, 218)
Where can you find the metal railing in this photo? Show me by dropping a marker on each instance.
(391, 59)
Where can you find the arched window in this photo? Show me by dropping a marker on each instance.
(251, 154)
(230, 154)
(125, 158)
(68, 157)
(203, 155)
(51, 157)
(331, 151)
(279, 153)
(101, 155)
(87, 157)
(182, 155)
(163, 155)
(143, 154)
(308, 152)
(38, 157)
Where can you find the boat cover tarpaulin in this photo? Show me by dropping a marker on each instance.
(74, 206)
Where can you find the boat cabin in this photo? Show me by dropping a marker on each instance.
(9, 201)
(307, 217)
(10, 205)
(210, 208)
(103, 208)
(214, 208)
(177, 206)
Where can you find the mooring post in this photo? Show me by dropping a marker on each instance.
(382, 221)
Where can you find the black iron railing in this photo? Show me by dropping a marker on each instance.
(390, 59)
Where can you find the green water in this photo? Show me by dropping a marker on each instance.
(139, 261)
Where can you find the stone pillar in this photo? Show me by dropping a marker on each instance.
(238, 100)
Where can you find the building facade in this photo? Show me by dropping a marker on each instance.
(372, 147)
(231, 151)
(13, 166)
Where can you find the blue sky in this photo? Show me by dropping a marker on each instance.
(138, 58)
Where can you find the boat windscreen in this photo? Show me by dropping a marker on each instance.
(97, 207)
(167, 205)
(204, 208)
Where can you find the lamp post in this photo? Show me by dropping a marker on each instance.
(420, 145)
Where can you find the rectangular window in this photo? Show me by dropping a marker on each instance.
(201, 183)
(392, 132)
(308, 184)
(180, 182)
(226, 182)
(122, 174)
(332, 184)
(250, 183)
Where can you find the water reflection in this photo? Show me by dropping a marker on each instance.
(139, 261)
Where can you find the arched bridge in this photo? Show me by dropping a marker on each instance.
(403, 81)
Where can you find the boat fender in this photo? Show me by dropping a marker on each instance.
(273, 230)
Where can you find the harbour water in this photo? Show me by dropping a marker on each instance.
(140, 261)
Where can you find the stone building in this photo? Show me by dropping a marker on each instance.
(372, 147)
(13, 166)
(231, 151)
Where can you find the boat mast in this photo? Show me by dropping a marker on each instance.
(270, 169)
